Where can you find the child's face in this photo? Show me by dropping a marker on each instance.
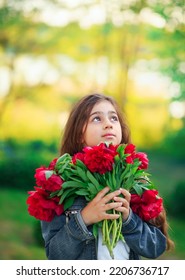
(103, 125)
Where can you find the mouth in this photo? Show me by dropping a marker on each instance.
(108, 135)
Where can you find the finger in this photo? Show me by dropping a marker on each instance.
(125, 212)
(126, 194)
(111, 216)
(112, 205)
(124, 207)
(111, 196)
(102, 193)
(124, 202)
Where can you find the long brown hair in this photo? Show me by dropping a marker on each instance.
(78, 118)
(162, 224)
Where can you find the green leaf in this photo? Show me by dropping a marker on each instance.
(109, 182)
(92, 179)
(64, 167)
(150, 186)
(82, 192)
(120, 150)
(124, 175)
(48, 174)
(129, 183)
(138, 189)
(101, 178)
(64, 158)
(60, 192)
(92, 189)
(81, 164)
(114, 182)
(52, 194)
(71, 184)
(116, 158)
(95, 230)
(69, 202)
(139, 173)
(81, 173)
(66, 194)
(63, 162)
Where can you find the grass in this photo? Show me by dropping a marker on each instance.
(17, 239)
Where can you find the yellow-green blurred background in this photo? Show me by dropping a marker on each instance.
(53, 52)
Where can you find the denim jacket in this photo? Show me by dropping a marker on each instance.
(67, 237)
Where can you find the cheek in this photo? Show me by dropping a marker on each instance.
(85, 135)
(84, 132)
(88, 134)
(91, 137)
(119, 134)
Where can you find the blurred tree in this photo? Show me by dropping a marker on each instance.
(100, 55)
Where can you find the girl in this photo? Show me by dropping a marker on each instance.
(94, 119)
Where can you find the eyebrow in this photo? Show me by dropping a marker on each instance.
(102, 113)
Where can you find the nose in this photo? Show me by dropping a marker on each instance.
(108, 123)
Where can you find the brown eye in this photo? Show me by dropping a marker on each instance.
(114, 118)
(96, 119)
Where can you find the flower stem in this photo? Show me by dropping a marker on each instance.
(111, 232)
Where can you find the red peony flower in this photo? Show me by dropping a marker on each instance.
(52, 164)
(130, 149)
(143, 159)
(79, 156)
(99, 158)
(40, 176)
(148, 205)
(42, 207)
(46, 179)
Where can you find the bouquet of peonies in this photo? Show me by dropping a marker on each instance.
(88, 172)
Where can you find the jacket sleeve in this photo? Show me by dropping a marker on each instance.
(63, 240)
(144, 239)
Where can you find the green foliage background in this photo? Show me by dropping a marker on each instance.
(45, 68)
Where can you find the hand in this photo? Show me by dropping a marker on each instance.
(95, 211)
(125, 200)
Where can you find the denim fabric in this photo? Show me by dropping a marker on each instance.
(70, 239)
